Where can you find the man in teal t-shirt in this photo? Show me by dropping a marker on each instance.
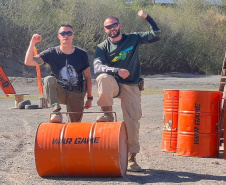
(117, 62)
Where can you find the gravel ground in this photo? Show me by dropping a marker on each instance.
(18, 131)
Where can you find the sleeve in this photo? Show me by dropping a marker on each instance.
(153, 35)
(86, 61)
(152, 23)
(45, 55)
(100, 65)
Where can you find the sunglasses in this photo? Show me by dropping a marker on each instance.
(112, 26)
(68, 33)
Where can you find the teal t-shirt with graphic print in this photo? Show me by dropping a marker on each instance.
(123, 54)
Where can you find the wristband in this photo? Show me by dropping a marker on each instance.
(90, 98)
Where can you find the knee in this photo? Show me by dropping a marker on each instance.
(104, 78)
(49, 80)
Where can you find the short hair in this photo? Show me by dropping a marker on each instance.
(112, 17)
(66, 25)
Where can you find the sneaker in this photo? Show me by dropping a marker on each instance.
(132, 164)
(108, 115)
(56, 118)
(105, 118)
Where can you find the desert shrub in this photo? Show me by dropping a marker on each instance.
(193, 40)
(193, 31)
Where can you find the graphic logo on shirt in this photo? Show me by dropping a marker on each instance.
(122, 54)
(68, 76)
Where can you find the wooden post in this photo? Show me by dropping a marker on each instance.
(43, 103)
(222, 111)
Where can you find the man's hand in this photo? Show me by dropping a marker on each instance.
(123, 73)
(142, 14)
(88, 104)
(36, 38)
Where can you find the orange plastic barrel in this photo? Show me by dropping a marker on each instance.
(169, 140)
(81, 149)
(198, 122)
(170, 120)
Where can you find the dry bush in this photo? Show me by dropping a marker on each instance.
(193, 31)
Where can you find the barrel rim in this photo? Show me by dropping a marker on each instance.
(123, 171)
(199, 90)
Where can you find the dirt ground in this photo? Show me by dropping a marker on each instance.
(18, 130)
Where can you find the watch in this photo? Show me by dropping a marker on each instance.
(90, 98)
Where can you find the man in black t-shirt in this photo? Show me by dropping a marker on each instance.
(69, 65)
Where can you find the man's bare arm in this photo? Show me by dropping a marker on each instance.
(30, 59)
(38, 60)
(88, 78)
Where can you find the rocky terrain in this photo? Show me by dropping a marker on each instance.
(18, 131)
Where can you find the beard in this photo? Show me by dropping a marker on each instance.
(116, 35)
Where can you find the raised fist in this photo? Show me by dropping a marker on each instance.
(142, 14)
(36, 38)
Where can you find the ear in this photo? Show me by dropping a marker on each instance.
(120, 25)
(58, 36)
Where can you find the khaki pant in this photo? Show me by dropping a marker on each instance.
(130, 102)
(57, 95)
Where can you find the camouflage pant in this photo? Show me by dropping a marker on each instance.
(57, 95)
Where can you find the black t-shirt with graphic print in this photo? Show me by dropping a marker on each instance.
(67, 68)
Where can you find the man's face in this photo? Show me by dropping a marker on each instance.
(66, 35)
(112, 27)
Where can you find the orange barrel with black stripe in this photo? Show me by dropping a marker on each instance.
(198, 122)
(170, 120)
(81, 149)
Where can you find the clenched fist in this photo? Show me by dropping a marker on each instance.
(142, 14)
(123, 73)
(36, 38)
